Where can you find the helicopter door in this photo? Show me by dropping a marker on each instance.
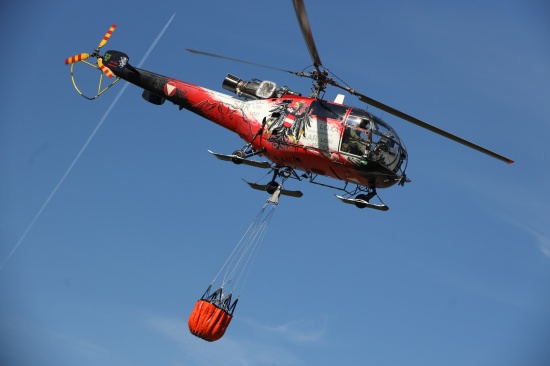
(324, 127)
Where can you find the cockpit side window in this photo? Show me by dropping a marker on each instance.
(357, 135)
(358, 121)
(356, 141)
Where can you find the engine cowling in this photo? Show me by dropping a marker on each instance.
(250, 89)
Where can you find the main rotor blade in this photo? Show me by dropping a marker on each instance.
(306, 31)
(241, 61)
(425, 125)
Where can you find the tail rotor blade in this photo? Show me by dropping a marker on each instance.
(76, 58)
(107, 36)
(104, 68)
(84, 56)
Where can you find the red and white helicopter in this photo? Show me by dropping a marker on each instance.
(303, 137)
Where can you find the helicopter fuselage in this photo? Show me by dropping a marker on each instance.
(303, 133)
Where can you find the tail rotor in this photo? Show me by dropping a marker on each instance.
(83, 57)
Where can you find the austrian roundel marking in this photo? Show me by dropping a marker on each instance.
(170, 88)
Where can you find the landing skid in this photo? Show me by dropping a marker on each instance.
(363, 204)
(270, 187)
(275, 189)
(240, 160)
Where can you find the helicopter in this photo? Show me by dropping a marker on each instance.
(302, 137)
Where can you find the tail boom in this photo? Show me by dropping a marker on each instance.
(219, 108)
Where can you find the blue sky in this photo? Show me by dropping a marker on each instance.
(457, 272)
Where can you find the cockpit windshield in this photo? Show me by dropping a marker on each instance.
(384, 129)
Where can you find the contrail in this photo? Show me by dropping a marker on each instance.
(83, 148)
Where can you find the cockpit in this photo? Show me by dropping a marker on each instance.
(369, 137)
(366, 137)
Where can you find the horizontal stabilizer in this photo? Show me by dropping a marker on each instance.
(152, 98)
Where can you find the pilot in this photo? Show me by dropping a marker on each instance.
(381, 150)
(356, 142)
